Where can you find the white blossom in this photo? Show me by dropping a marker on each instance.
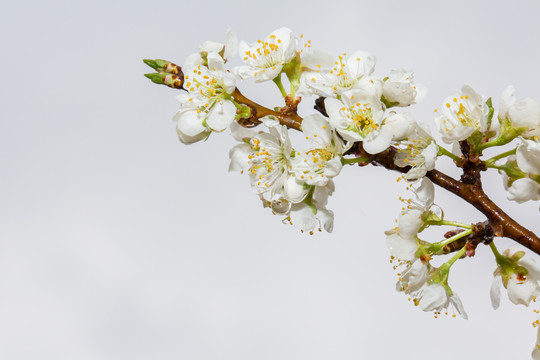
(226, 50)
(265, 58)
(461, 115)
(402, 241)
(522, 286)
(419, 151)
(522, 113)
(400, 90)
(313, 215)
(528, 160)
(207, 106)
(417, 281)
(332, 79)
(323, 161)
(265, 156)
(359, 116)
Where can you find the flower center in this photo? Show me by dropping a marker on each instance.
(268, 54)
(361, 119)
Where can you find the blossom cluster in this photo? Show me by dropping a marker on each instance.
(295, 182)
(360, 116)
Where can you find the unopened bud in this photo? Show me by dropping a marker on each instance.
(170, 80)
(163, 66)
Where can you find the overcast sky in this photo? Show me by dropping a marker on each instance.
(119, 242)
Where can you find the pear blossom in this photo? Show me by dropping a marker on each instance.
(266, 158)
(522, 190)
(528, 160)
(190, 119)
(226, 50)
(344, 74)
(402, 242)
(321, 163)
(518, 275)
(461, 115)
(419, 151)
(208, 106)
(399, 89)
(523, 113)
(419, 281)
(359, 116)
(312, 214)
(265, 58)
(528, 156)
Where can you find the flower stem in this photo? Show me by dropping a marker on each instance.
(492, 160)
(454, 258)
(449, 223)
(495, 251)
(455, 237)
(356, 160)
(277, 81)
(443, 151)
(436, 247)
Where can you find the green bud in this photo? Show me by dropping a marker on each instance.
(163, 66)
(155, 77)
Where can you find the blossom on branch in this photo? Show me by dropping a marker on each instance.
(208, 105)
(359, 116)
(227, 50)
(265, 58)
(419, 151)
(461, 115)
(323, 162)
(399, 89)
(524, 113)
(331, 80)
(518, 275)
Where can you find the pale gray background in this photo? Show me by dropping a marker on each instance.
(118, 242)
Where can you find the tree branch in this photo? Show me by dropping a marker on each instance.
(469, 188)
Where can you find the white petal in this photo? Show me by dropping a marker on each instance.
(189, 123)
(239, 133)
(524, 189)
(239, 157)
(211, 46)
(522, 292)
(221, 115)
(456, 301)
(267, 74)
(381, 142)
(333, 109)
(433, 298)
(507, 101)
(525, 113)
(192, 61)
(302, 217)
(360, 64)
(402, 249)
(294, 190)
(528, 156)
(317, 60)
(409, 223)
(401, 124)
(215, 61)
(495, 291)
(317, 129)
(231, 44)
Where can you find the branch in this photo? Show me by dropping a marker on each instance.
(469, 188)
